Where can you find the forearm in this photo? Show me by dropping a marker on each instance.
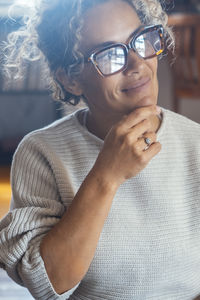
(68, 249)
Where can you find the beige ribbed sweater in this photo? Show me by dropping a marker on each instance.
(149, 248)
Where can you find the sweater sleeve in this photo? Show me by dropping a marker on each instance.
(35, 208)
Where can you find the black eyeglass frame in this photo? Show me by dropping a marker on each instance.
(141, 30)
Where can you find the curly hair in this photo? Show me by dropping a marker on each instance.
(52, 33)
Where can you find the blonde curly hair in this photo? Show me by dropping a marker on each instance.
(52, 32)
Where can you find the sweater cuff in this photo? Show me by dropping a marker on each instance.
(36, 278)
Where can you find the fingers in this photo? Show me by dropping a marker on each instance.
(141, 145)
(139, 115)
(152, 150)
(140, 129)
(145, 154)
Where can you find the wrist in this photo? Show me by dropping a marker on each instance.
(102, 178)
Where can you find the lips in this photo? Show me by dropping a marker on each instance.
(137, 84)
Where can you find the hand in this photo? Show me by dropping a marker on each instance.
(123, 154)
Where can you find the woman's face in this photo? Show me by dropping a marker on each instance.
(115, 21)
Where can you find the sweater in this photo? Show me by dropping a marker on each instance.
(149, 248)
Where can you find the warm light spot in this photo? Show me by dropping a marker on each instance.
(5, 190)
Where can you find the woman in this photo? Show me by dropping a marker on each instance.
(99, 209)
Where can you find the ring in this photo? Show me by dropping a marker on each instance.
(147, 141)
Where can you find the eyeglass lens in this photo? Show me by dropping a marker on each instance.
(113, 59)
(148, 44)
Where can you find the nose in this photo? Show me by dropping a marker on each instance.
(135, 64)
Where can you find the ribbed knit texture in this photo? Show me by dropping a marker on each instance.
(149, 248)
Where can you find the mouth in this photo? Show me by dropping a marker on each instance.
(138, 85)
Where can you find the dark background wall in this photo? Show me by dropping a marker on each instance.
(25, 105)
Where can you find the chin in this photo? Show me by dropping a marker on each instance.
(141, 103)
(146, 101)
(127, 105)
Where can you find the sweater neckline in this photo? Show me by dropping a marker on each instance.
(83, 128)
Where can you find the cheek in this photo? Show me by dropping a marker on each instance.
(94, 86)
(153, 66)
(156, 84)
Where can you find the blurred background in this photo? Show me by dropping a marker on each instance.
(27, 104)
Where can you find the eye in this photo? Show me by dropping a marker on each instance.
(105, 54)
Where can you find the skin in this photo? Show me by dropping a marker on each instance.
(69, 247)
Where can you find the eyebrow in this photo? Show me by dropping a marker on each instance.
(108, 43)
(100, 46)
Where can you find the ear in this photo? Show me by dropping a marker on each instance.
(71, 85)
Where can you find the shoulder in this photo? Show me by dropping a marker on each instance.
(179, 124)
(54, 134)
(65, 125)
(46, 145)
(181, 135)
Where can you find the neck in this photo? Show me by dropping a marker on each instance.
(101, 126)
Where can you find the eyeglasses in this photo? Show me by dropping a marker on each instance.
(146, 42)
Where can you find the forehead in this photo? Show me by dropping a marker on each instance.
(114, 20)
